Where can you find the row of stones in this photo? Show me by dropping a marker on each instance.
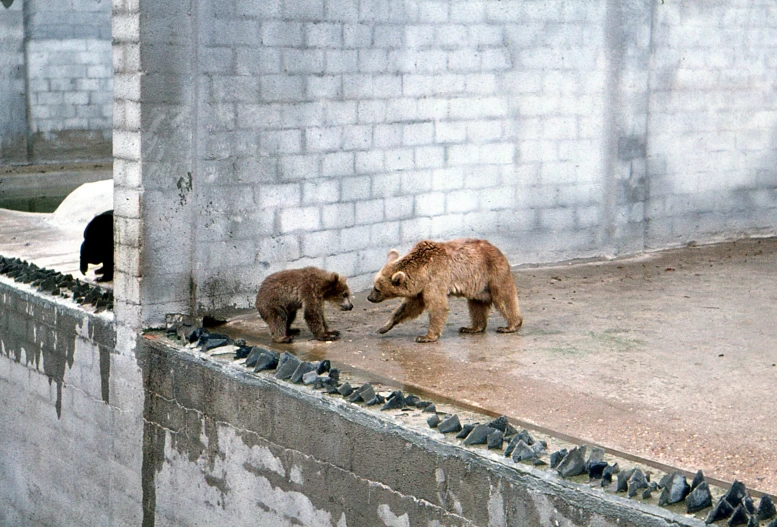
(736, 506)
(57, 284)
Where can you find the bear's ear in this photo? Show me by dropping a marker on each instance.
(393, 254)
(334, 278)
(398, 278)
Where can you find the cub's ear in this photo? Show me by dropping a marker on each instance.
(393, 254)
(334, 278)
(398, 278)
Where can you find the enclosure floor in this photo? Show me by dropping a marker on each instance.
(669, 356)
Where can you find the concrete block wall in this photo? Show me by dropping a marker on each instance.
(713, 122)
(65, 77)
(282, 134)
(13, 119)
(71, 417)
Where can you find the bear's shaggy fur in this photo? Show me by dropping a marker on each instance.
(98, 246)
(431, 271)
(283, 293)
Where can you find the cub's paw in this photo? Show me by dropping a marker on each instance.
(385, 329)
(425, 338)
(283, 340)
(471, 330)
(293, 331)
(506, 330)
(329, 336)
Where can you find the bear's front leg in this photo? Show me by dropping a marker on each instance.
(409, 309)
(437, 304)
(314, 317)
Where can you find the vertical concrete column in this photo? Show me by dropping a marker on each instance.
(152, 163)
(627, 43)
(13, 118)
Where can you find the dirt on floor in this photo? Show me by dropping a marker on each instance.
(669, 357)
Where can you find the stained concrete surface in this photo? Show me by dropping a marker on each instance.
(668, 356)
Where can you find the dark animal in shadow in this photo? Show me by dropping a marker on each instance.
(98, 246)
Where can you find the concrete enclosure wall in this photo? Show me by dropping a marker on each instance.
(254, 136)
(71, 417)
(60, 87)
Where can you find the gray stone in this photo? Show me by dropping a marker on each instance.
(267, 360)
(622, 483)
(495, 440)
(636, 482)
(766, 509)
(675, 490)
(523, 452)
(697, 479)
(721, 511)
(302, 369)
(310, 378)
(287, 365)
(500, 423)
(479, 435)
(450, 425)
(735, 493)
(699, 498)
(557, 456)
(433, 421)
(739, 517)
(466, 430)
(573, 464)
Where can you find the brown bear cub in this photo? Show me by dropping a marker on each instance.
(283, 293)
(431, 271)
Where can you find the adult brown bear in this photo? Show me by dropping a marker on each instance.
(283, 293)
(431, 271)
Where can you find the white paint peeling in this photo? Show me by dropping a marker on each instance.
(248, 498)
(496, 507)
(439, 475)
(389, 519)
(262, 458)
(295, 475)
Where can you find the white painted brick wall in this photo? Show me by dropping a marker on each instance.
(363, 124)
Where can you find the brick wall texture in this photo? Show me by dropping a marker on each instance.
(283, 133)
(61, 80)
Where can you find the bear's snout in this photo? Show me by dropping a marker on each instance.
(375, 296)
(347, 305)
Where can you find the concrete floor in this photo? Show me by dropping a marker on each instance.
(669, 357)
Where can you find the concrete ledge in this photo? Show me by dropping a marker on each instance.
(195, 407)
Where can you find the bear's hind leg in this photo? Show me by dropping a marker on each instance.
(506, 302)
(409, 309)
(478, 315)
(290, 332)
(276, 321)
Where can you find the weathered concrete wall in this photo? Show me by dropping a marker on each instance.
(284, 133)
(224, 446)
(71, 418)
(712, 144)
(13, 119)
(94, 437)
(61, 86)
